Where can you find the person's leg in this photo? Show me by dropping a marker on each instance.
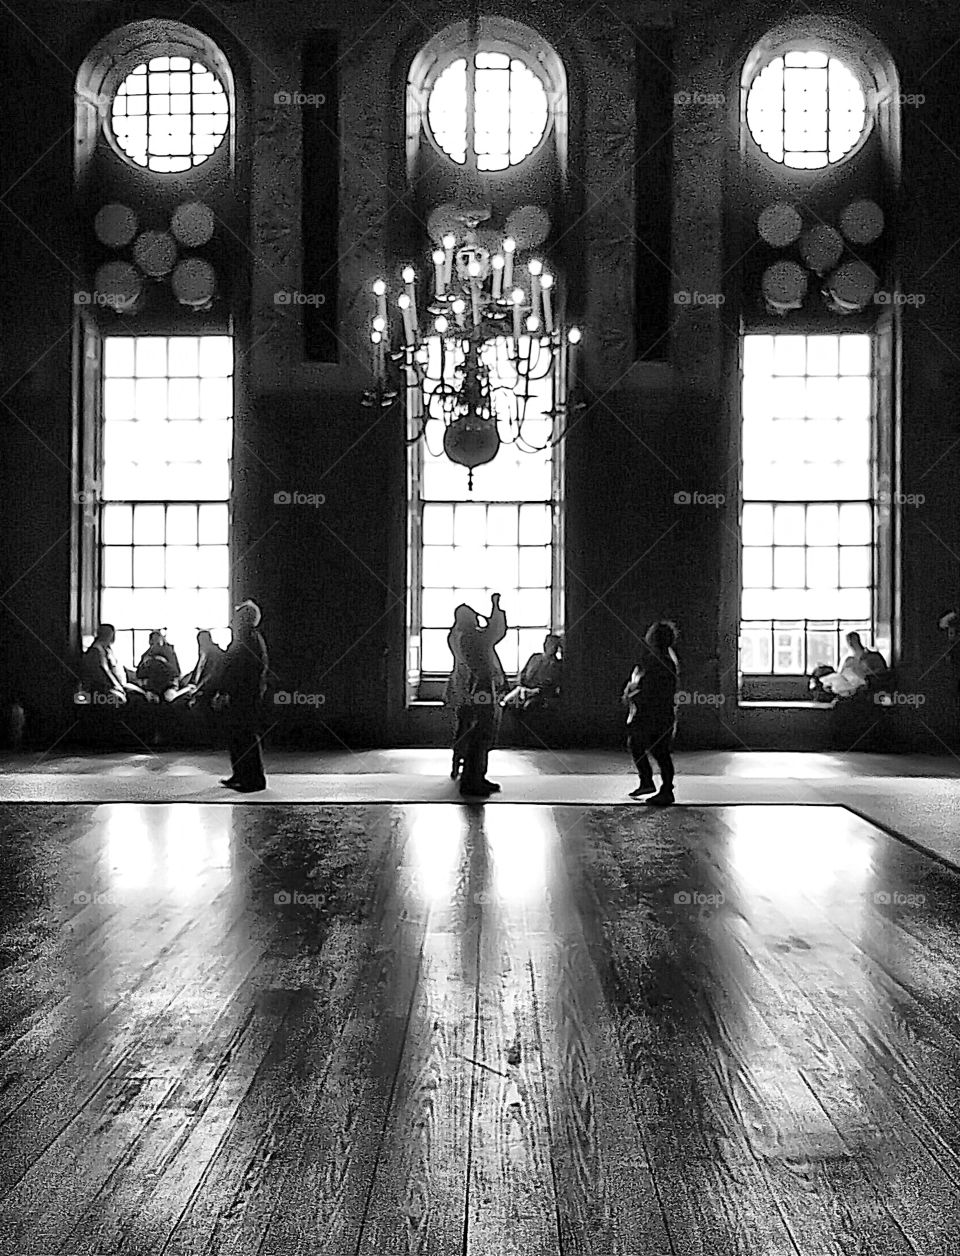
(660, 750)
(460, 739)
(471, 782)
(258, 777)
(234, 749)
(249, 767)
(490, 727)
(637, 745)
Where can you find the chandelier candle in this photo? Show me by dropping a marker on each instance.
(409, 277)
(449, 243)
(498, 269)
(509, 246)
(546, 283)
(438, 262)
(473, 270)
(573, 338)
(406, 309)
(380, 292)
(517, 298)
(535, 268)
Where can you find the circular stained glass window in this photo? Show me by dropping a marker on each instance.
(806, 109)
(509, 117)
(170, 114)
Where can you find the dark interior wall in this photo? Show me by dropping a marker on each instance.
(37, 264)
(331, 576)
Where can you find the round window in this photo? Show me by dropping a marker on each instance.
(170, 114)
(509, 116)
(806, 109)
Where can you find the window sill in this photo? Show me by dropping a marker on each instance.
(788, 706)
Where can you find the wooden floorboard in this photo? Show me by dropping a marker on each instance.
(512, 1200)
(475, 1032)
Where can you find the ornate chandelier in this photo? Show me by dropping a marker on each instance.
(491, 362)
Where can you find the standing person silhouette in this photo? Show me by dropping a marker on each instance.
(240, 691)
(651, 695)
(487, 681)
(456, 695)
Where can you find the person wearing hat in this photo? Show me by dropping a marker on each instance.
(240, 691)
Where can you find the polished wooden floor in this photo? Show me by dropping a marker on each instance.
(449, 1030)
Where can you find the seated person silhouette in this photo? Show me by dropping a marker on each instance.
(538, 685)
(100, 672)
(159, 669)
(861, 670)
(200, 684)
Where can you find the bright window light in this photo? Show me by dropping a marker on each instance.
(167, 440)
(170, 114)
(510, 111)
(807, 527)
(806, 109)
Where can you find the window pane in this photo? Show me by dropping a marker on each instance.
(757, 525)
(437, 607)
(183, 567)
(807, 439)
(213, 525)
(436, 656)
(183, 460)
(148, 566)
(788, 567)
(534, 525)
(148, 525)
(534, 567)
(855, 566)
(438, 525)
(822, 568)
(502, 524)
(757, 568)
(117, 566)
(439, 569)
(822, 524)
(117, 525)
(182, 525)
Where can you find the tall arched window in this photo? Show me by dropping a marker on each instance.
(155, 135)
(818, 142)
(487, 115)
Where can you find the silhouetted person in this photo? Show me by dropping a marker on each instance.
(651, 695)
(487, 681)
(861, 669)
(538, 684)
(240, 692)
(159, 668)
(201, 683)
(456, 695)
(100, 671)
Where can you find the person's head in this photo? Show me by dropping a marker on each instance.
(246, 616)
(854, 642)
(465, 617)
(156, 637)
(661, 636)
(204, 640)
(106, 633)
(552, 644)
